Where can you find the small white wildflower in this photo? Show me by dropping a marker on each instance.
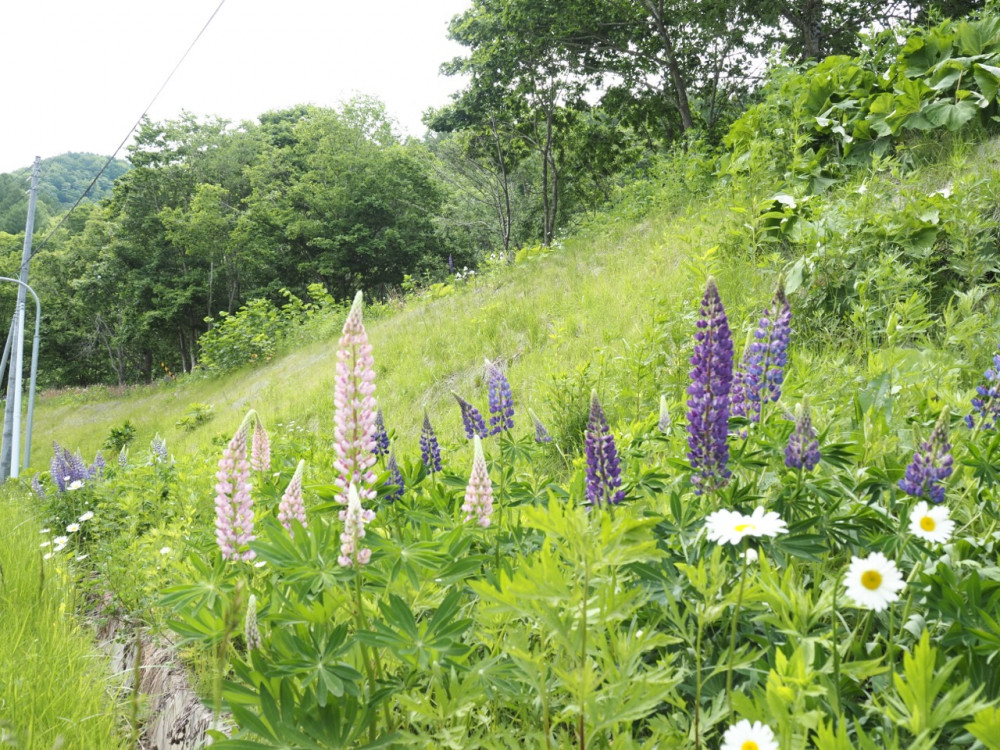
(47, 556)
(45, 544)
(164, 550)
(45, 531)
(61, 541)
(73, 528)
(75, 485)
(931, 523)
(873, 582)
(86, 516)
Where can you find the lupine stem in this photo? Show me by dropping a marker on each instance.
(362, 624)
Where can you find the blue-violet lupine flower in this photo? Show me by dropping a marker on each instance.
(762, 370)
(381, 436)
(472, 420)
(986, 403)
(931, 465)
(96, 469)
(68, 469)
(802, 451)
(123, 457)
(604, 476)
(36, 486)
(395, 478)
(430, 451)
(708, 402)
(479, 492)
(500, 398)
(541, 434)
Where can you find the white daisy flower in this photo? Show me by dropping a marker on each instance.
(72, 528)
(730, 527)
(45, 544)
(75, 485)
(746, 736)
(873, 582)
(164, 550)
(931, 523)
(86, 516)
(47, 556)
(61, 541)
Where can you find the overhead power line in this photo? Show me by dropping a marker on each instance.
(138, 122)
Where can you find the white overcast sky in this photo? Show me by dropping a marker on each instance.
(76, 74)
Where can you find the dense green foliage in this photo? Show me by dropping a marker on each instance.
(570, 107)
(560, 625)
(54, 690)
(63, 179)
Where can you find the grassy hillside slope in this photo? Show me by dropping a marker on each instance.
(598, 298)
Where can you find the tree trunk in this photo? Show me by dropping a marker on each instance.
(656, 11)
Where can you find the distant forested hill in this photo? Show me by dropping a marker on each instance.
(63, 180)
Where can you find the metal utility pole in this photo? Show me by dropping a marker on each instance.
(9, 455)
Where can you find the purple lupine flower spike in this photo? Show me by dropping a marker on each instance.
(500, 398)
(541, 434)
(986, 402)
(36, 486)
(708, 402)
(604, 476)
(96, 469)
(430, 451)
(931, 465)
(60, 469)
(355, 518)
(395, 478)
(233, 502)
(291, 505)
(472, 420)
(260, 450)
(479, 492)
(354, 402)
(802, 451)
(381, 436)
(761, 373)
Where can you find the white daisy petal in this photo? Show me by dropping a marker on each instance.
(931, 523)
(873, 582)
(730, 527)
(746, 736)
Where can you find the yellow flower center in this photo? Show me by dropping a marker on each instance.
(749, 745)
(741, 528)
(927, 523)
(871, 579)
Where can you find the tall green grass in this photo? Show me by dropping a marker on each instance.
(601, 297)
(55, 689)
